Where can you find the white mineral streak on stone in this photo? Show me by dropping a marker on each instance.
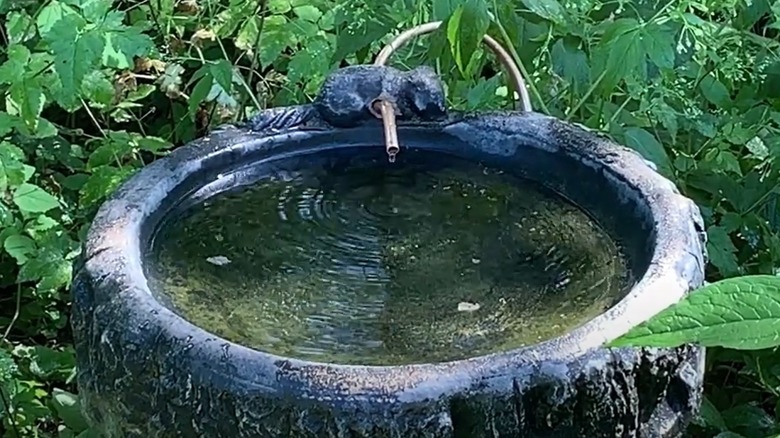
(218, 260)
(640, 305)
(104, 339)
(188, 385)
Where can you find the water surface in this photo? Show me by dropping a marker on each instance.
(387, 264)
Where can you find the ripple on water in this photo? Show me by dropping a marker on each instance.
(388, 264)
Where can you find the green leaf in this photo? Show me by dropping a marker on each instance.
(740, 313)
(750, 421)
(89, 433)
(625, 48)
(46, 362)
(721, 160)
(658, 43)
(121, 43)
(482, 94)
(222, 72)
(247, 35)
(27, 100)
(7, 123)
(442, 9)
(277, 36)
(714, 91)
(721, 251)
(757, 148)
(152, 144)
(300, 66)
(68, 409)
(19, 247)
(709, 416)
(15, 66)
(279, 6)
(665, 114)
(308, 13)
(309, 66)
(18, 27)
(571, 63)
(646, 144)
(41, 224)
(50, 268)
(619, 53)
(25, 96)
(109, 152)
(304, 29)
(8, 368)
(75, 182)
(76, 53)
(103, 181)
(200, 92)
(97, 88)
(548, 9)
(12, 168)
(465, 28)
(170, 82)
(359, 35)
(33, 199)
(92, 10)
(53, 12)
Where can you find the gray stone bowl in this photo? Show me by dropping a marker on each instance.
(145, 372)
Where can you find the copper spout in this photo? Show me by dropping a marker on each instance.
(386, 112)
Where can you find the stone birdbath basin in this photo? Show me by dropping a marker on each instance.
(291, 277)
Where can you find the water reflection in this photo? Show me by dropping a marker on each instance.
(388, 264)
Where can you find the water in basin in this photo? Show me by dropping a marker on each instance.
(382, 264)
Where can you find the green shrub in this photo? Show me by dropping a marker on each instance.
(94, 89)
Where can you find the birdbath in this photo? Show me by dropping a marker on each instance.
(374, 265)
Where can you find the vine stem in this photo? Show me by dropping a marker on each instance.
(519, 63)
(515, 69)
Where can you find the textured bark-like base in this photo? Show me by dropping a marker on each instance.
(147, 387)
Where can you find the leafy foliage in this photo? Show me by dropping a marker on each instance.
(94, 89)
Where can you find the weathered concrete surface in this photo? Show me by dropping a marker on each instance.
(145, 372)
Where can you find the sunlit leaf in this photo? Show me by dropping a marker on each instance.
(465, 29)
(741, 313)
(33, 199)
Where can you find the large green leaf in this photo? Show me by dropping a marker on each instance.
(571, 63)
(465, 29)
(33, 199)
(547, 9)
(68, 410)
(19, 247)
(121, 43)
(740, 313)
(51, 14)
(646, 144)
(722, 251)
(627, 46)
(76, 53)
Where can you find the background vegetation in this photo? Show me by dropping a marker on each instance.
(93, 89)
